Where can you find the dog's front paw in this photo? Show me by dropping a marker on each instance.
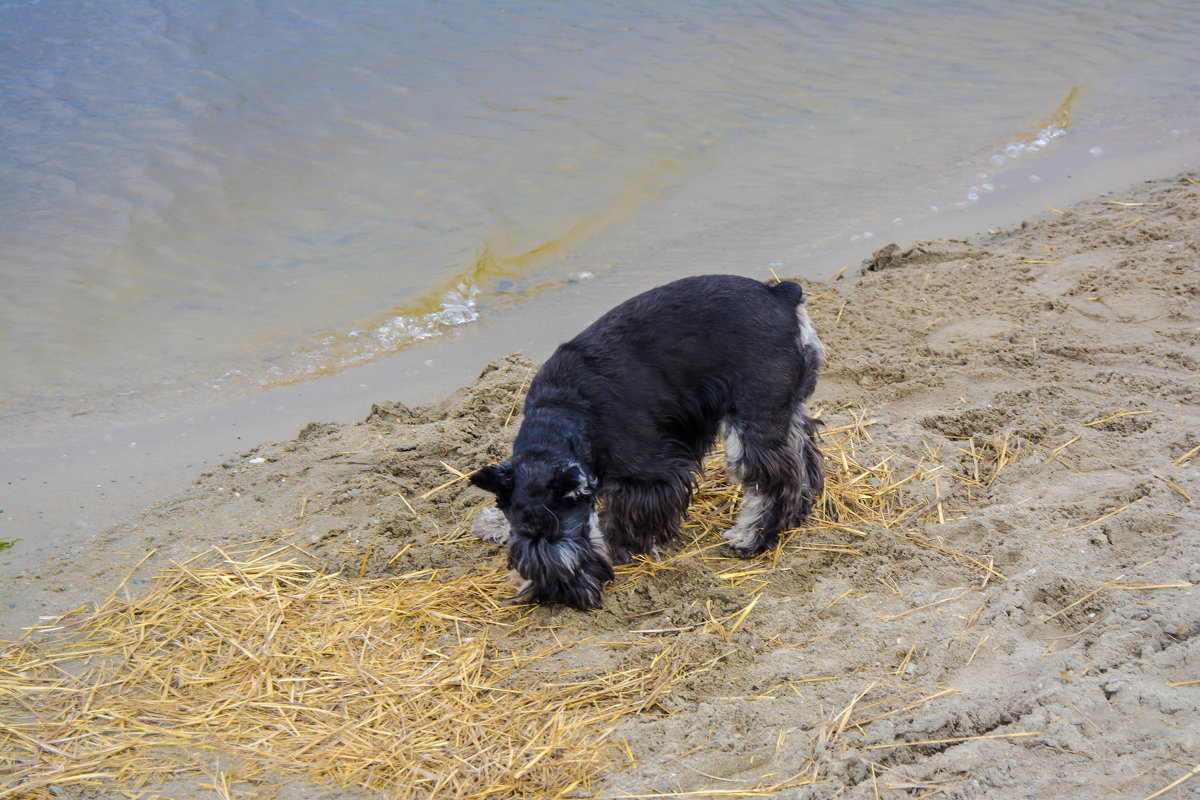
(490, 526)
(746, 550)
(745, 542)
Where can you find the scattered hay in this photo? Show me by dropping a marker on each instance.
(254, 667)
(867, 488)
(400, 684)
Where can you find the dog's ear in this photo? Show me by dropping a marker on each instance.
(570, 482)
(497, 479)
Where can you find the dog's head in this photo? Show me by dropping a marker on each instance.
(555, 542)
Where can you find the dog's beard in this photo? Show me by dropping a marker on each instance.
(571, 570)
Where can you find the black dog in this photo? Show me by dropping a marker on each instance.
(626, 410)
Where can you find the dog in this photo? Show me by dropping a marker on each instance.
(619, 418)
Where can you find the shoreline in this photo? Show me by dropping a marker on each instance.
(1026, 626)
(67, 485)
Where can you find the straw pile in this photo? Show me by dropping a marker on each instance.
(254, 667)
(393, 683)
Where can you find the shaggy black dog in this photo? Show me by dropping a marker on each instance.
(624, 413)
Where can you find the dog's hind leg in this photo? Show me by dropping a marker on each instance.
(782, 477)
(804, 440)
(770, 500)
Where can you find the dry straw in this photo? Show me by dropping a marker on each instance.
(255, 667)
(393, 683)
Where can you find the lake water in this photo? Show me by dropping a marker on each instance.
(206, 199)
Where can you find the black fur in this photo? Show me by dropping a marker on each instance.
(626, 410)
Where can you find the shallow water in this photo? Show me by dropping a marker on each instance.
(205, 199)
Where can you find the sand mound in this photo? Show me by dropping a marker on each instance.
(999, 599)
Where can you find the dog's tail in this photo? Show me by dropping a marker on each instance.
(789, 292)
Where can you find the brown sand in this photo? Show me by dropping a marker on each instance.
(1031, 635)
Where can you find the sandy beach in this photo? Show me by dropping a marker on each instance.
(1021, 621)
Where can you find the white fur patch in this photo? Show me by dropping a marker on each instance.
(568, 554)
(808, 334)
(746, 528)
(490, 526)
(596, 536)
(735, 448)
(523, 585)
(583, 488)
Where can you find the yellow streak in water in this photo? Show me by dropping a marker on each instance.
(432, 313)
(1052, 126)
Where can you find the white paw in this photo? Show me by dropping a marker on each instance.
(490, 526)
(739, 536)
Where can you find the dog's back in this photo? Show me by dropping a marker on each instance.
(659, 372)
